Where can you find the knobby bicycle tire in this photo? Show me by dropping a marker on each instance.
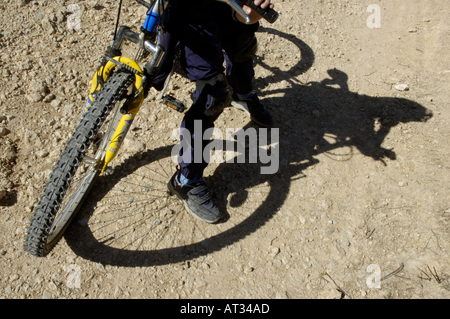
(41, 236)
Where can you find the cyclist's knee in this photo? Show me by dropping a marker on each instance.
(212, 96)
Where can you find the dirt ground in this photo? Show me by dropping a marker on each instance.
(361, 191)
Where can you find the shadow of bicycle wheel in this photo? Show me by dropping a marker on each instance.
(129, 220)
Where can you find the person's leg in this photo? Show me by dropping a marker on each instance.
(187, 183)
(240, 45)
(202, 59)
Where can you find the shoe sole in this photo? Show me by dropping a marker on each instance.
(243, 107)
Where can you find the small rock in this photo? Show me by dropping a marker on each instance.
(42, 153)
(302, 219)
(330, 230)
(3, 131)
(6, 183)
(117, 292)
(34, 97)
(55, 103)
(71, 259)
(200, 283)
(274, 251)
(281, 295)
(307, 265)
(83, 221)
(19, 252)
(38, 86)
(30, 135)
(38, 15)
(172, 125)
(48, 26)
(68, 109)
(53, 286)
(48, 98)
(402, 184)
(333, 294)
(46, 295)
(401, 87)
(206, 266)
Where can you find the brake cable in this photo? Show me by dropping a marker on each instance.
(118, 17)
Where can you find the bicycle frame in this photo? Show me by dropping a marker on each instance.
(135, 99)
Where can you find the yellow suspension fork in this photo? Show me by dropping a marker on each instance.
(100, 77)
(122, 130)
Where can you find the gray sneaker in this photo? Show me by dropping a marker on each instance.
(254, 109)
(196, 199)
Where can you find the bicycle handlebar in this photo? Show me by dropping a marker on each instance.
(268, 14)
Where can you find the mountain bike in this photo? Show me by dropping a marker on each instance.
(118, 90)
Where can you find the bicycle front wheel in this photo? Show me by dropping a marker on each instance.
(76, 170)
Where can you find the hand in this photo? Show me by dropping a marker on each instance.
(255, 17)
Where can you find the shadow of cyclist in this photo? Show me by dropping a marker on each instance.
(352, 119)
(328, 109)
(305, 114)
